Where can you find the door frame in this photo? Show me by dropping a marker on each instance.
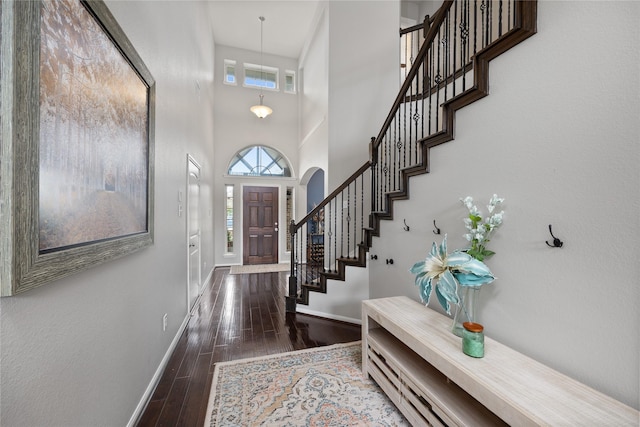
(192, 160)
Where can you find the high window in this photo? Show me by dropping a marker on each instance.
(289, 81)
(260, 77)
(230, 72)
(259, 160)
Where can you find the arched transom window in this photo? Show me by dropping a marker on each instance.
(259, 160)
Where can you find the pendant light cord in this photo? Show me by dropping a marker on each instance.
(261, 18)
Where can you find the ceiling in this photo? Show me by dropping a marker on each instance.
(286, 26)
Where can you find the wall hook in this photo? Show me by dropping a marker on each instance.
(390, 261)
(374, 256)
(437, 230)
(557, 243)
(406, 227)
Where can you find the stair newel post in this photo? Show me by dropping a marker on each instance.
(293, 283)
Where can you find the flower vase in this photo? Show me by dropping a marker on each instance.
(466, 309)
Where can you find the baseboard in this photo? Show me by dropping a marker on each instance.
(158, 374)
(331, 316)
(146, 397)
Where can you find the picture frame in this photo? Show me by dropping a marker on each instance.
(72, 136)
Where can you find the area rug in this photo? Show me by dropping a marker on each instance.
(259, 268)
(315, 387)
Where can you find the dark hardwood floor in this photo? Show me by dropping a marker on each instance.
(238, 316)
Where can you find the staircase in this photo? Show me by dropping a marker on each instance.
(448, 72)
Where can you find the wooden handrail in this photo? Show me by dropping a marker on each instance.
(420, 26)
(429, 38)
(322, 204)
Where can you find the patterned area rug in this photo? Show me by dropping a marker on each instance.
(259, 268)
(316, 387)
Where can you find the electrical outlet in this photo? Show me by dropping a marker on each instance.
(164, 322)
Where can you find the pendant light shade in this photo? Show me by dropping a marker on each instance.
(261, 110)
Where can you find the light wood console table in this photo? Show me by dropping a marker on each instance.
(409, 350)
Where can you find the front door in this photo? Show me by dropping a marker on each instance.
(260, 225)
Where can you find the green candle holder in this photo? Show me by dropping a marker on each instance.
(473, 339)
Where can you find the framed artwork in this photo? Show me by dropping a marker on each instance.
(77, 148)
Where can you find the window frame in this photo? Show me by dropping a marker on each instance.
(261, 69)
(291, 73)
(279, 159)
(230, 63)
(229, 198)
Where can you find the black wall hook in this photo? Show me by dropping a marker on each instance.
(406, 227)
(557, 243)
(437, 230)
(390, 261)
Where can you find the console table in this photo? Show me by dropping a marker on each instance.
(409, 350)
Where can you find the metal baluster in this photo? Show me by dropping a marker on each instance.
(425, 87)
(341, 225)
(335, 234)
(303, 256)
(327, 244)
(455, 43)
(437, 81)
(387, 166)
(348, 218)
(500, 19)
(295, 257)
(483, 8)
(362, 209)
(355, 214)
(408, 140)
(475, 26)
(431, 80)
(464, 37)
(374, 191)
(392, 152)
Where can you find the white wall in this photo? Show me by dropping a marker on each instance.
(83, 350)
(237, 128)
(558, 138)
(313, 150)
(343, 300)
(364, 52)
(350, 80)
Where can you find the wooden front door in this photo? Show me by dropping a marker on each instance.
(260, 225)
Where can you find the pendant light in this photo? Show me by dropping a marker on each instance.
(261, 110)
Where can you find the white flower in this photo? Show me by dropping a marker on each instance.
(479, 228)
(467, 201)
(495, 200)
(496, 219)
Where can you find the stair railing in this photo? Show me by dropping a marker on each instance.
(449, 71)
(333, 231)
(411, 39)
(444, 70)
